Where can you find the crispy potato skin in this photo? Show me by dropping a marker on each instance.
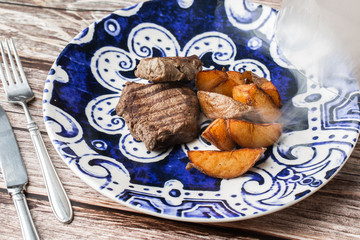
(225, 87)
(264, 84)
(210, 79)
(251, 95)
(245, 108)
(254, 135)
(236, 77)
(223, 82)
(218, 81)
(269, 88)
(224, 164)
(215, 105)
(217, 134)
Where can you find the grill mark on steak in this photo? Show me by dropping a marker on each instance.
(160, 114)
(161, 117)
(152, 99)
(152, 105)
(175, 111)
(157, 90)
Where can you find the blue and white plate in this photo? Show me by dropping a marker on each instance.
(321, 125)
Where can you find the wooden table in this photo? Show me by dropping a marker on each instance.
(41, 29)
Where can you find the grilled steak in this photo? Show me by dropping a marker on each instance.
(169, 69)
(160, 115)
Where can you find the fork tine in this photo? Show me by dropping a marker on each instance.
(18, 62)
(2, 75)
(6, 66)
(12, 63)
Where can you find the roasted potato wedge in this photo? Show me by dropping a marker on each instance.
(241, 93)
(224, 164)
(250, 77)
(225, 87)
(251, 95)
(217, 134)
(215, 105)
(270, 89)
(210, 79)
(218, 81)
(253, 135)
(236, 77)
(264, 84)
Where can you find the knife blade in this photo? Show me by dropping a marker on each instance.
(15, 176)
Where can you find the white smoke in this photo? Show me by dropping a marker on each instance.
(322, 38)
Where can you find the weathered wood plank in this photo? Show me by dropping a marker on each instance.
(76, 5)
(106, 223)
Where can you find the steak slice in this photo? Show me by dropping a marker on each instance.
(169, 69)
(160, 115)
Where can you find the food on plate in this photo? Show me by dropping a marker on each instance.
(166, 112)
(265, 85)
(245, 108)
(224, 164)
(216, 133)
(250, 77)
(253, 135)
(218, 81)
(269, 88)
(215, 105)
(223, 82)
(226, 134)
(160, 115)
(209, 79)
(236, 77)
(169, 69)
(252, 95)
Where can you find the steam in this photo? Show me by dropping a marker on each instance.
(321, 39)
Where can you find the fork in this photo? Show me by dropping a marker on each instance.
(19, 92)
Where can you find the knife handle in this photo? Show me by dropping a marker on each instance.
(58, 199)
(27, 225)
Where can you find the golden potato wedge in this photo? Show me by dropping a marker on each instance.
(264, 84)
(224, 164)
(225, 87)
(236, 77)
(209, 79)
(270, 89)
(241, 93)
(218, 81)
(215, 105)
(250, 77)
(253, 135)
(251, 95)
(217, 134)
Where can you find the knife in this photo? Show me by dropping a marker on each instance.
(15, 176)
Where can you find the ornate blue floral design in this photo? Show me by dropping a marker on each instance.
(84, 85)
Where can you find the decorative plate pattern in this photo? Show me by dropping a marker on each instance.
(84, 85)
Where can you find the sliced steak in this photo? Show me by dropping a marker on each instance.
(161, 114)
(169, 69)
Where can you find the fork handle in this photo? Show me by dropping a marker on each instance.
(58, 199)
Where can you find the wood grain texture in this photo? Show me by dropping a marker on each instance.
(41, 29)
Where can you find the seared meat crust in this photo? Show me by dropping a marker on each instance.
(160, 115)
(169, 69)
